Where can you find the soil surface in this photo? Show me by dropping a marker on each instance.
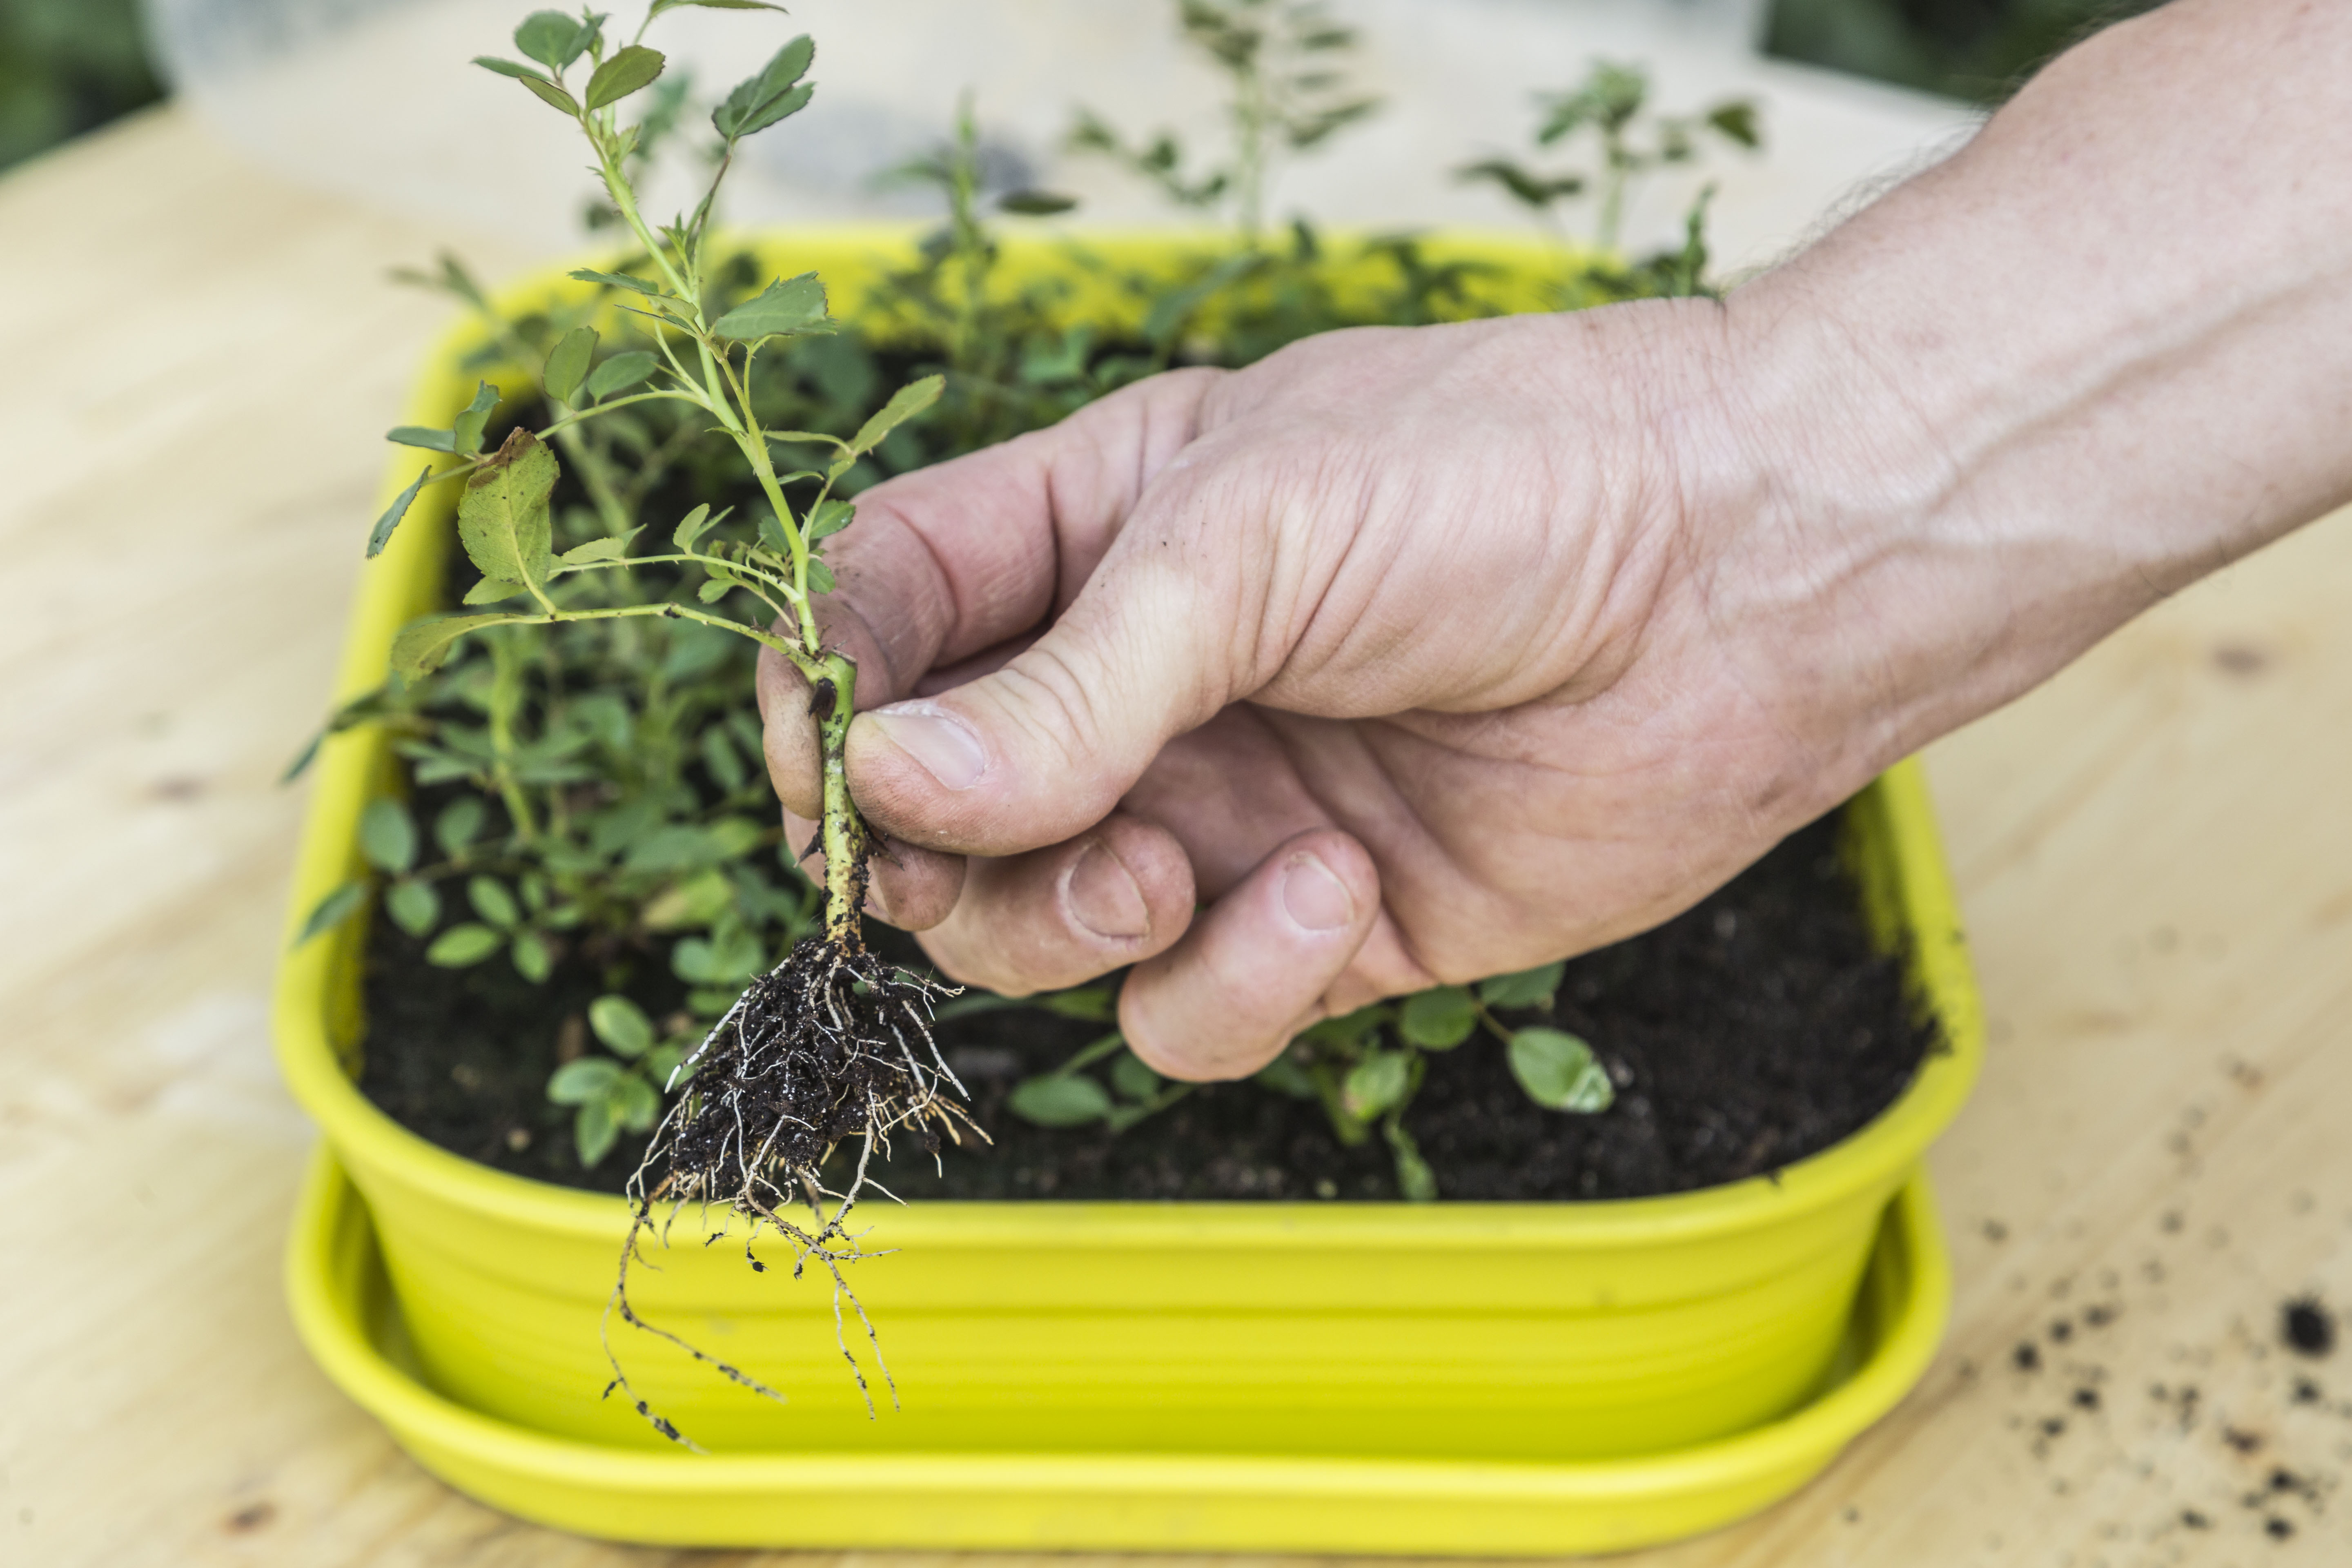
(1756, 1029)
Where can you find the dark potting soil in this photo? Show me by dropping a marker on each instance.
(1758, 1028)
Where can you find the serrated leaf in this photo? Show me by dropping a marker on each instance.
(420, 436)
(1527, 988)
(717, 588)
(760, 101)
(531, 957)
(593, 1132)
(1375, 1083)
(1437, 1020)
(584, 1078)
(493, 902)
(1059, 1099)
(388, 835)
(622, 1024)
(819, 577)
(381, 534)
(502, 518)
(785, 307)
(690, 528)
(460, 822)
(554, 97)
(1559, 1072)
(420, 648)
(567, 364)
(632, 68)
(463, 946)
(598, 550)
(904, 405)
(1036, 203)
(614, 280)
(490, 591)
(414, 906)
(551, 39)
(827, 518)
(622, 371)
(332, 911)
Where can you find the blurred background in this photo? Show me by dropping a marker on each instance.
(69, 66)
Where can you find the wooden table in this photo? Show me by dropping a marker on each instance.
(2155, 852)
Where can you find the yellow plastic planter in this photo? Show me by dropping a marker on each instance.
(1246, 1375)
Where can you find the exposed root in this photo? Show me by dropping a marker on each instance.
(833, 1047)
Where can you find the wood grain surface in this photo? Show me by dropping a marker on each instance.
(2154, 851)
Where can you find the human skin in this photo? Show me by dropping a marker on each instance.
(1409, 656)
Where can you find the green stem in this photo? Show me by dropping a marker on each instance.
(846, 843)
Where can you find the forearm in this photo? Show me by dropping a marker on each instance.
(2103, 350)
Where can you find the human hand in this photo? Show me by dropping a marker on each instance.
(1404, 654)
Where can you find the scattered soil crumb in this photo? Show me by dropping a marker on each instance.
(2309, 1328)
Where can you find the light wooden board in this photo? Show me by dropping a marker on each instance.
(2155, 853)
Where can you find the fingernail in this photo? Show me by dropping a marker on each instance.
(1101, 896)
(1314, 897)
(925, 731)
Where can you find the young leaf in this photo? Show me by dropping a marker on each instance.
(1375, 1083)
(502, 519)
(381, 534)
(529, 955)
(567, 364)
(388, 835)
(613, 281)
(1734, 120)
(597, 549)
(554, 97)
(620, 371)
(1437, 1020)
(722, 761)
(461, 947)
(332, 911)
(787, 306)
(622, 1024)
(421, 647)
(414, 906)
(662, 6)
(457, 825)
(717, 588)
(1059, 1099)
(1087, 1004)
(584, 1078)
(419, 435)
(594, 1132)
(696, 901)
(493, 902)
(1558, 1071)
(1131, 1079)
(904, 405)
(1415, 1181)
(761, 100)
(466, 432)
(551, 39)
(491, 590)
(827, 518)
(1527, 988)
(690, 528)
(633, 67)
(508, 68)
(635, 1103)
(1036, 203)
(820, 579)
(1286, 1075)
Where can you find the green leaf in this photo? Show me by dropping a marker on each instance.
(1375, 1083)
(691, 528)
(1088, 1003)
(418, 435)
(1059, 1099)
(1347, 1030)
(381, 534)
(1286, 1075)
(567, 364)
(457, 825)
(662, 6)
(592, 1131)
(502, 518)
(491, 590)
(1036, 203)
(827, 518)
(614, 280)
(554, 97)
(761, 100)
(420, 648)
(787, 306)
(820, 579)
(531, 957)
(622, 1024)
(637, 1103)
(1131, 1079)
(388, 835)
(466, 432)
(717, 588)
(904, 405)
(696, 901)
(1437, 1020)
(722, 761)
(584, 1078)
(551, 39)
(598, 550)
(633, 67)
(1415, 1181)
(1734, 120)
(622, 371)
(332, 911)
(414, 906)
(1558, 1071)
(461, 947)
(493, 902)
(508, 68)
(1527, 988)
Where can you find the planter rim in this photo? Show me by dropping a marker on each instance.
(365, 1138)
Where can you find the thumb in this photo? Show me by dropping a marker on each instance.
(1040, 749)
